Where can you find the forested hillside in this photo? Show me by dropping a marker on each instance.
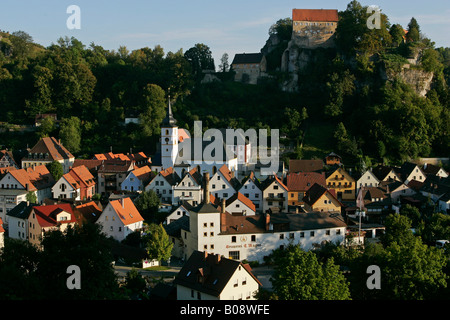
(362, 93)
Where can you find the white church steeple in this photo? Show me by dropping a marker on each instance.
(169, 139)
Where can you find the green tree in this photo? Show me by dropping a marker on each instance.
(397, 34)
(56, 170)
(398, 229)
(224, 65)
(148, 204)
(413, 34)
(282, 28)
(153, 109)
(47, 127)
(200, 58)
(136, 284)
(86, 247)
(158, 244)
(31, 197)
(70, 134)
(21, 44)
(299, 275)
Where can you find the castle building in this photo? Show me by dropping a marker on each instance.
(314, 27)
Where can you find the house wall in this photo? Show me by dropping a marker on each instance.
(18, 228)
(239, 207)
(177, 214)
(69, 190)
(251, 191)
(220, 187)
(368, 179)
(343, 184)
(131, 183)
(9, 198)
(242, 286)
(162, 188)
(279, 198)
(325, 203)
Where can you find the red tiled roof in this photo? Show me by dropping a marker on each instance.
(302, 181)
(46, 215)
(126, 211)
(321, 15)
(239, 196)
(55, 150)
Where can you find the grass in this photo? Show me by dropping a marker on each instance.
(318, 140)
(157, 268)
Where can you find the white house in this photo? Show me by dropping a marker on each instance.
(223, 184)
(410, 171)
(66, 188)
(189, 188)
(275, 194)
(163, 184)
(180, 211)
(431, 169)
(16, 184)
(137, 179)
(120, 218)
(238, 204)
(367, 179)
(18, 220)
(214, 277)
(251, 188)
(396, 190)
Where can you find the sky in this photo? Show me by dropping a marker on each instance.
(225, 26)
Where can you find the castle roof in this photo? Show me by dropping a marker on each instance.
(322, 15)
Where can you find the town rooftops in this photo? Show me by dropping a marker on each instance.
(50, 148)
(302, 181)
(321, 15)
(22, 210)
(247, 58)
(126, 211)
(315, 192)
(305, 165)
(46, 215)
(209, 273)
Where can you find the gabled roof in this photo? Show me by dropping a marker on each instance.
(126, 211)
(240, 197)
(407, 168)
(82, 175)
(22, 210)
(36, 178)
(229, 176)
(245, 58)
(296, 165)
(170, 175)
(52, 147)
(116, 166)
(209, 273)
(46, 215)
(381, 172)
(273, 178)
(322, 15)
(89, 211)
(302, 181)
(252, 178)
(144, 174)
(315, 192)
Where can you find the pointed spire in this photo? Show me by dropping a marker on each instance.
(169, 120)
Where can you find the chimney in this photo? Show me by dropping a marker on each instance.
(224, 204)
(223, 221)
(122, 202)
(217, 258)
(267, 222)
(205, 254)
(206, 196)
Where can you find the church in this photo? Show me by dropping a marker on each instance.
(180, 151)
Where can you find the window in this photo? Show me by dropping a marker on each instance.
(338, 231)
(291, 235)
(253, 238)
(311, 233)
(327, 232)
(205, 224)
(233, 239)
(234, 255)
(281, 236)
(211, 224)
(205, 234)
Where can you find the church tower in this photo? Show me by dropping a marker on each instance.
(169, 139)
